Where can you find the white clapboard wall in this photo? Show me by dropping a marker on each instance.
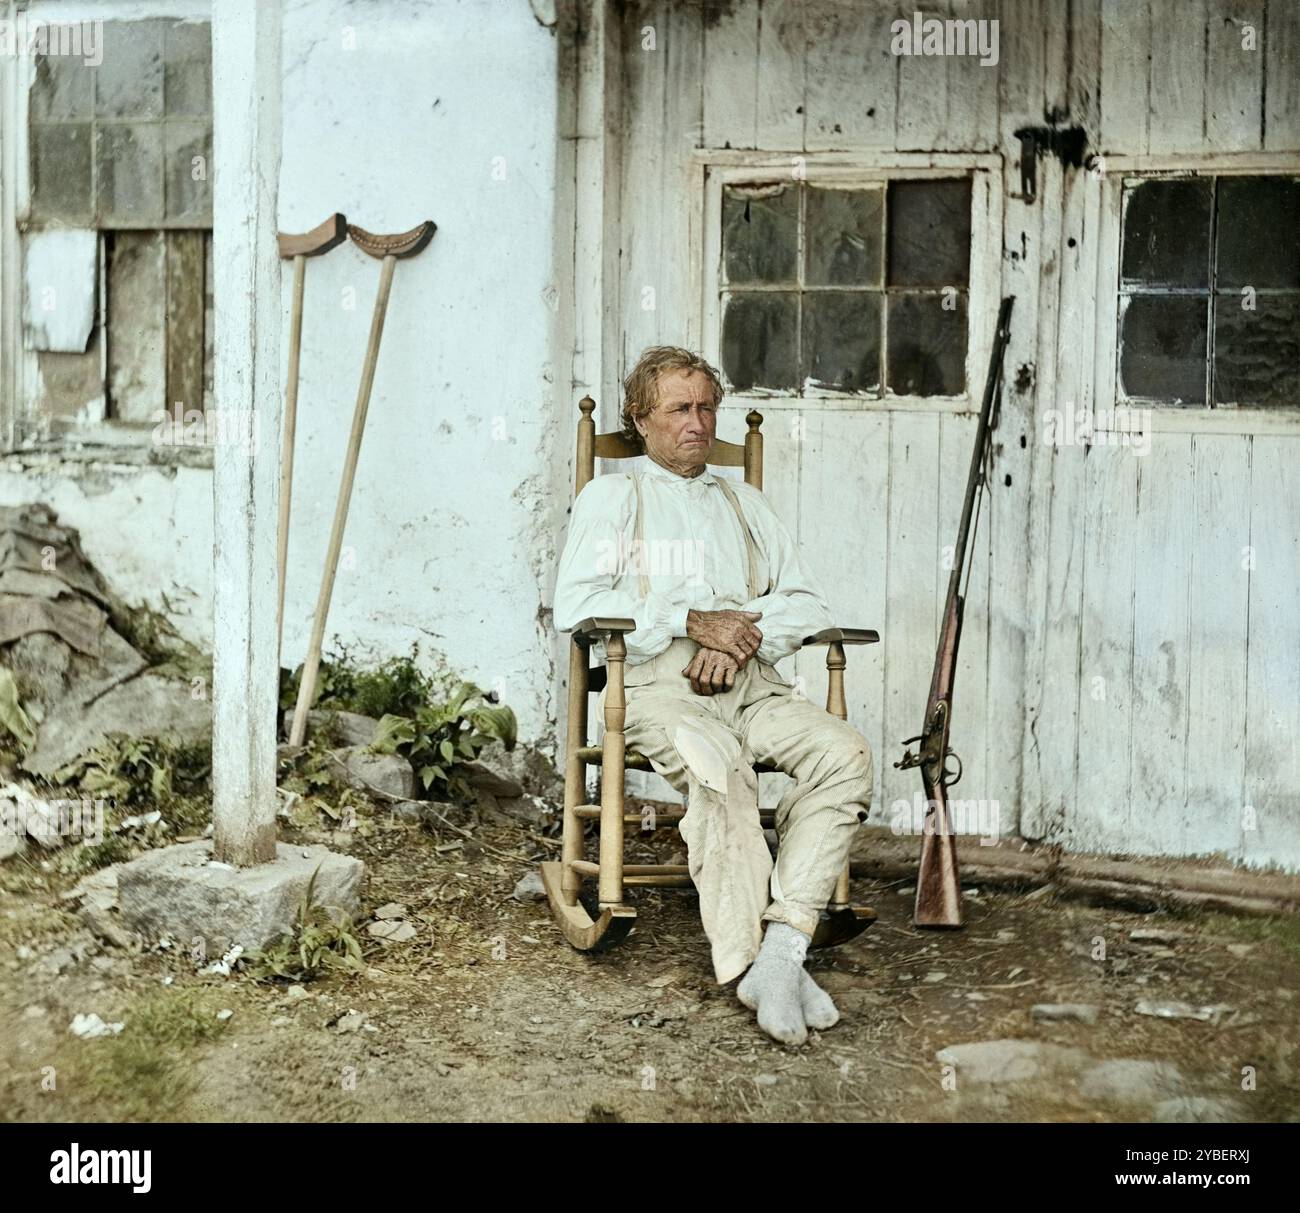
(1129, 679)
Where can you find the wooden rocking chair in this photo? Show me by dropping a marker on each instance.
(563, 879)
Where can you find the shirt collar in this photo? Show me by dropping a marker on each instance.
(657, 469)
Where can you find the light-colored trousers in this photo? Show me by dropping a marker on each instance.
(705, 745)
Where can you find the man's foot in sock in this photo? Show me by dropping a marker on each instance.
(772, 985)
(818, 1010)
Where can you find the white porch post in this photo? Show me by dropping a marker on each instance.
(246, 153)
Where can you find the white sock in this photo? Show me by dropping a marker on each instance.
(772, 987)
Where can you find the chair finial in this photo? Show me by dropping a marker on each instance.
(754, 418)
(587, 405)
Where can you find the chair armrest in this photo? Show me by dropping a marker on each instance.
(591, 629)
(843, 635)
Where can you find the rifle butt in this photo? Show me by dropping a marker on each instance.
(938, 884)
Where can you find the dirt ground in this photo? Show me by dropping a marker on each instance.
(487, 1014)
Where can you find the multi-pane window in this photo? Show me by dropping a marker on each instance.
(1209, 309)
(846, 288)
(124, 148)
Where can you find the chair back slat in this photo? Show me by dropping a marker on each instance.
(615, 445)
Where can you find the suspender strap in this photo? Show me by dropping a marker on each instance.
(750, 547)
(638, 542)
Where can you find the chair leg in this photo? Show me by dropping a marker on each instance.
(836, 704)
(575, 773)
(843, 921)
(614, 749)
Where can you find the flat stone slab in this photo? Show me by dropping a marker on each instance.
(177, 892)
(999, 1061)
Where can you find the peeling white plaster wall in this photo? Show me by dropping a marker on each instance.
(394, 114)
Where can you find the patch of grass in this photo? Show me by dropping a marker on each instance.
(145, 1072)
(1285, 932)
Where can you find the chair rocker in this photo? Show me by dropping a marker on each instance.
(613, 917)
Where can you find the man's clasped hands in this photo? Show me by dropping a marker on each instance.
(727, 640)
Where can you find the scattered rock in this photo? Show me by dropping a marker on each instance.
(391, 931)
(11, 843)
(92, 1025)
(391, 910)
(390, 774)
(528, 809)
(294, 993)
(106, 925)
(58, 961)
(1130, 1080)
(351, 1022)
(1241, 950)
(225, 1013)
(530, 888)
(935, 975)
(35, 1011)
(1078, 1012)
(349, 728)
(1194, 1109)
(998, 1061)
(483, 778)
(527, 767)
(281, 1021)
(765, 1080)
(1156, 935)
(1182, 1010)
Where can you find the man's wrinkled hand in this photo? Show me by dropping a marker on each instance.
(712, 671)
(731, 632)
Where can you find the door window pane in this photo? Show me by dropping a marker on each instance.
(927, 346)
(759, 340)
(841, 340)
(929, 233)
(1162, 347)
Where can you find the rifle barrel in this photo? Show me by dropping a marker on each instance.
(991, 384)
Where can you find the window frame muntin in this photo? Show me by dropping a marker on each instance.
(1108, 175)
(868, 168)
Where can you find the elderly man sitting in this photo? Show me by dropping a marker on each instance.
(731, 598)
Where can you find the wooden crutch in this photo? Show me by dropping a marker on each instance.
(390, 248)
(319, 240)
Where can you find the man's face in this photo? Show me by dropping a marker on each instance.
(680, 429)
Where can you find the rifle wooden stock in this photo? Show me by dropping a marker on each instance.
(938, 887)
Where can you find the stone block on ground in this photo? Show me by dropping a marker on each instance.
(147, 706)
(998, 1061)
(178, 892)
(1131, 1080)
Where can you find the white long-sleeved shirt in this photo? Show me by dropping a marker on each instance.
(695, 557)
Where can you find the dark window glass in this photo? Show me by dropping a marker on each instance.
(759, 340)
(841, 340)
(1162, 347)
(1167, 234)
(760, 226)
(927, 346)
(1257, 352)
(1259, 232)
(929, 233)
(845, 237)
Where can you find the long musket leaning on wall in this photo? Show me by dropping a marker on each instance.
(938, 887)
